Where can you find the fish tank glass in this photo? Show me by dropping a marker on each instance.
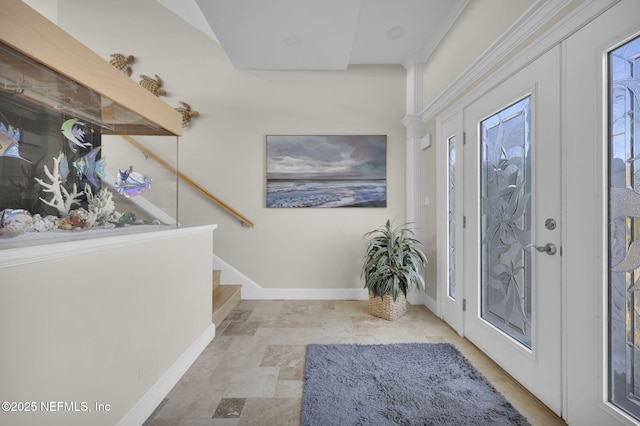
(74, 164)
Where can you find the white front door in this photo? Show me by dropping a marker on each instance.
(512, 205)
(602, 143)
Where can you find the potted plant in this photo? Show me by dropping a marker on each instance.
(392, 264)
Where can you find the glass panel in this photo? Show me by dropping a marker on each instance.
(159, 203)
(624, 227)
(505, 188)
(25, 79)
(452, 216)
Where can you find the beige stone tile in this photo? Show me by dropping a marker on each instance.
(221, 342)
(202, 367)
(162, 422)
(271, 411)
(183, 422)
(229, 408)
(261, 315)
(250, 382)
(196, 399)
(273, 306)
(291, 323)
(244, 352)
(294, 336)
(292, 373)
(318, 306)
(358, 340)
(225, 422)
(352, 308)
(239, 315)
(248, 304)
(296, 307)
(220, 328)
(329, 317)
(284, 356)
(370, 321)
(288, 389)
(241, 328)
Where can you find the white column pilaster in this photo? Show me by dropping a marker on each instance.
(415, 138)
(415, 132)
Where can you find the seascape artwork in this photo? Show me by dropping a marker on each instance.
(326, 171)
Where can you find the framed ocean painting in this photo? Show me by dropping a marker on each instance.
(326, 171)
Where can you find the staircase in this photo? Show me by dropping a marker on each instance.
(225, 298)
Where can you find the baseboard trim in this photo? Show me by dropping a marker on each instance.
(315, 294)
(254, 291)
(431, 304)
(142, 409)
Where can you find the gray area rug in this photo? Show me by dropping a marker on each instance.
(399, 384)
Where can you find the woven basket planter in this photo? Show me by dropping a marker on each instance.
(386, 308)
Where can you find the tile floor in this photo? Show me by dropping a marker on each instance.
(252, 372)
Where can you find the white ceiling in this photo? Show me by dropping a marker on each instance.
(321, 34)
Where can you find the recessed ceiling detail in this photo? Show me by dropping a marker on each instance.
(395, 33)
(321, 34)
(293, 41)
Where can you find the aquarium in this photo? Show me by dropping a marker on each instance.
(75, 164)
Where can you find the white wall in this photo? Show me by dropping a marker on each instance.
(224, 150)
(101, 326)
(47, 8)
(478, 27)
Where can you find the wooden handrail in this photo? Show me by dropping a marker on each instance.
(243, 220)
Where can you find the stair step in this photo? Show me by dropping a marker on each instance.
(225, 298)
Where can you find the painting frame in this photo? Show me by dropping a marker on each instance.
(326, 171)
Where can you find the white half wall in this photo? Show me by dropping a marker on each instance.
(103, 326)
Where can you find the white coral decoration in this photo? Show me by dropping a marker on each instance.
(101, 204)
(62, 200)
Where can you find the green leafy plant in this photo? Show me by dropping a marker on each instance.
(392, 261)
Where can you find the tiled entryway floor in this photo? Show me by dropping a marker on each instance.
(252, 372)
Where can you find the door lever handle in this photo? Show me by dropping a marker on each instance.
(549, 248)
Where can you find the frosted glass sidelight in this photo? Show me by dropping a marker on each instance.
(452, 216)
(505, 188)
(624, 227)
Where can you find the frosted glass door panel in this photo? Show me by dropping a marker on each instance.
(624, 227)
(452, 216)
(505, 191)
